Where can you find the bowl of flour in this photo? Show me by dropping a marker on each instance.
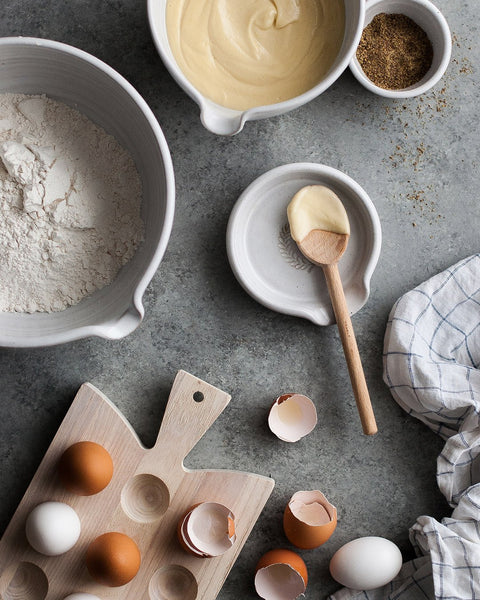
(86, 196)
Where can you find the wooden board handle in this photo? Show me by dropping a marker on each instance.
(192, 408)
(350, 348)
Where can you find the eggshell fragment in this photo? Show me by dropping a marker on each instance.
(281, 575)
(52, 528)
(85, 468)
(309, 519)
(366, 563)
(207, 529)
(292, 416)
(113, 559)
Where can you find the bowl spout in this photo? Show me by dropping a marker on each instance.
(124, 325)
(222, 121)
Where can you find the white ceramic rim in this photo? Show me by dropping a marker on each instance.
(317, 169)
(257, 112)
(107, 330)
(435, 77)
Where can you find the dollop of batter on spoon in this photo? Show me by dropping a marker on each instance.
(316, 207)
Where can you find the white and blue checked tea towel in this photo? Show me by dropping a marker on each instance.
(432, 366)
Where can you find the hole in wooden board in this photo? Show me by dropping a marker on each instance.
(145, 498)
(173, 582)
(198, 397)
(29, 582)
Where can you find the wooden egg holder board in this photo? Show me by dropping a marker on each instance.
(149, 492)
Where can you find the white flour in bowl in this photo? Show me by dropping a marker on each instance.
(70, 199)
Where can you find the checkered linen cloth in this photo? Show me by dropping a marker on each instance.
(431, 364)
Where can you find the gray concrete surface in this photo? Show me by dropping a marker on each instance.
(417, 159)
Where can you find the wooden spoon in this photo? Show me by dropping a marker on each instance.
(325, 248)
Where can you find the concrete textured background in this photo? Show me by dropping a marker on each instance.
(418, 161)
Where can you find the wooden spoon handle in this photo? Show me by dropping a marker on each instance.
(350, 348)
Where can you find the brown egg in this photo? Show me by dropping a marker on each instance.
(85, 468)
(113, 559)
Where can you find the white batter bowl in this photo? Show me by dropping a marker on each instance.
(225, 121)
(69, 75)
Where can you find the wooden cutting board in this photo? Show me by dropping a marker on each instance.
(149, 492)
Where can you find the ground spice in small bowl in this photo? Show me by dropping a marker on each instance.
(394, 52)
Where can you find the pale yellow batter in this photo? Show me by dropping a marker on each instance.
(246, 53)
(316, 207)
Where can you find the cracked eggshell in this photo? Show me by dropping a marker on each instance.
(292, 416)
(309, 519)
(183, 538)
(207, 529)
(281, 575)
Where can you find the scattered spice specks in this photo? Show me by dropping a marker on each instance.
(424, 205)
(409, 126)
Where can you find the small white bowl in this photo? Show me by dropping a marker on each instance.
(225, 121)
(427, 16)
(69, 75)
(266, 260)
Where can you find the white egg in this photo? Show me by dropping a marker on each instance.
(366, 563)
(81, 596)
(52, 528)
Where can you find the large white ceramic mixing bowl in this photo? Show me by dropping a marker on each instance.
(225, 121)
(69, 75)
